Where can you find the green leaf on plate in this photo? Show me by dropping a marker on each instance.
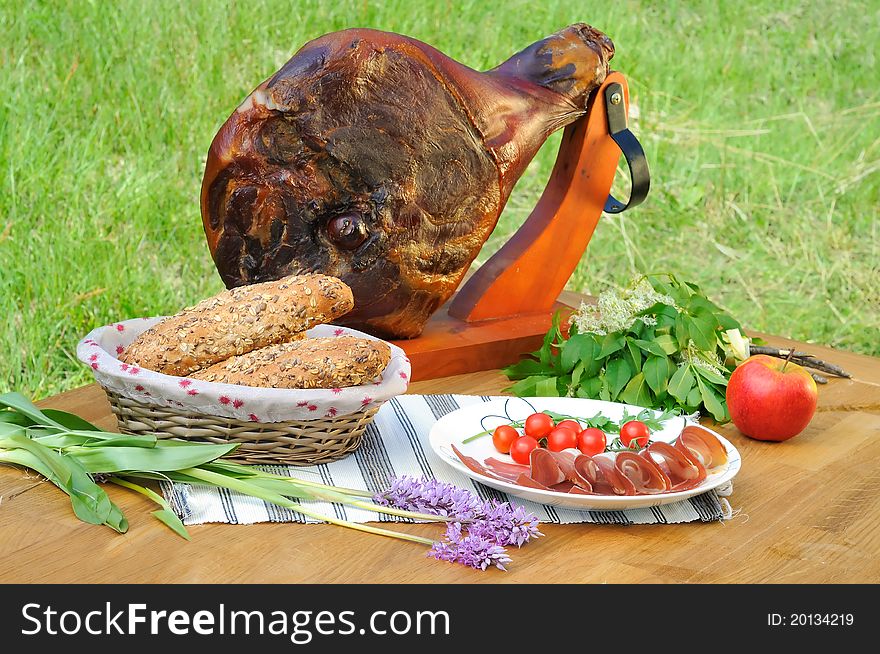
(604, 391)
(693, 399)
(681, 330)
(591, 387)
(577, 373)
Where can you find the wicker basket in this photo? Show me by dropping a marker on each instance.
(298, 443)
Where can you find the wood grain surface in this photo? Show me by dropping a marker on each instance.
(807, 510)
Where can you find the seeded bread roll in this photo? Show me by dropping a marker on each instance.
(238, 321)
(309, 363)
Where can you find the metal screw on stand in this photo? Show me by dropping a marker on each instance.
(616, 98)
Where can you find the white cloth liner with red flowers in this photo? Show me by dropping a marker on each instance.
(100, 348)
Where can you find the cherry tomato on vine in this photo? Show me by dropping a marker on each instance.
(521, 449)
(503, 437)
(538, 425)
(634, 430)
(561, 438)
(571, 424)
(591, 441)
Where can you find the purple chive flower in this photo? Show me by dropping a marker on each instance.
(505, 525)
(471, 550)
(430, 496)
(493, 521)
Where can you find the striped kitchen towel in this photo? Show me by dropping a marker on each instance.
(394, 445)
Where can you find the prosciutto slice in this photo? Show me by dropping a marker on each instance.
(528, 482)
(683, 471)
(545, 468)
(701, 444)
(609, 480)
(645, 475)
(475, 466)
(566, 461)
(505, 468)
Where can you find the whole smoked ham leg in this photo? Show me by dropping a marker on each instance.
(377, 159)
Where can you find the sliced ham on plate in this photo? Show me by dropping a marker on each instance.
(683, 471)
(659, 468)
(545, 468)
(477, 467)
(609, 480)
(700, 443)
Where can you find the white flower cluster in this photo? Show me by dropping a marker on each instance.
(616, 310)
(702, 359)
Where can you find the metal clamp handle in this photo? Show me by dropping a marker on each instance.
(630, 147)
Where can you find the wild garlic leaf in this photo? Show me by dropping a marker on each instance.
(525, 368)
(546, 387)
(681, 383)
(701, 329)
(69, 420)
(165, 515)
(611, 343)
(651, 347)
(618, 373)
(656, 371)
(666, 343)
(20, 403)
(637, 391)
(710, 376)
(580, 347)
(15, 418)
(711, 401)
(694, 399)
(634, 355)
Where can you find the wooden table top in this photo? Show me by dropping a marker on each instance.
(807, 511)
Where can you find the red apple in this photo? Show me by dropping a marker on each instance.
(771, 399)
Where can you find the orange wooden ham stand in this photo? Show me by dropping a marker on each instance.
(505, 308)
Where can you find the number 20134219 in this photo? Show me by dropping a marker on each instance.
(810, 619)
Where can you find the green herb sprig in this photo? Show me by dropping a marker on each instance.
(659, 343)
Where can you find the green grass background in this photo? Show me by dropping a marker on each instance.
(761, 121)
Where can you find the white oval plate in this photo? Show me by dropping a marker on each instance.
(454, 427)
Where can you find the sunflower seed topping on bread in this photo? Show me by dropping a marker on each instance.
(333, 362)
(239, 320)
